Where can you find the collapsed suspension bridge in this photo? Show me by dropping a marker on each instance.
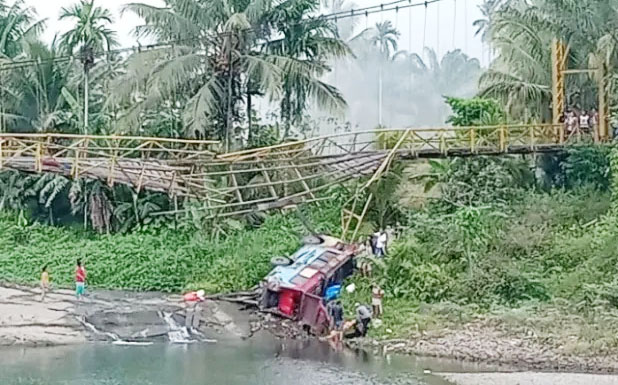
(261, 179)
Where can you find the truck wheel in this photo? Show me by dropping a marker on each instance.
(280, 261)
(312, 240)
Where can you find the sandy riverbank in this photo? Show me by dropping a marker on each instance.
(25, 320)
(110, 316)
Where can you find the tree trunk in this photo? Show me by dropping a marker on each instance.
(249, 101)
(286, 115)
(380, 95)
(228, 123)
(86, 102)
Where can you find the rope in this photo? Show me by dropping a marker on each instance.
(454, 22)
(410, 29)
(425, 28)
(438, 32)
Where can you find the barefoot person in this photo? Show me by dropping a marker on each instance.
(44, 282)
(80, 280)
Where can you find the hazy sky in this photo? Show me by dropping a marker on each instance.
(449, 23)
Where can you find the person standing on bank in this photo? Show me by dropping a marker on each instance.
(80, 280)
(376, 300)
(44, 282)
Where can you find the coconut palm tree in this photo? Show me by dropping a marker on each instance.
(90, 33)
(521, 31)
(17, 26)
(90, 28)
(37, 103)
(17, 23)
(422, 84)
(308, 43)
(223, 54)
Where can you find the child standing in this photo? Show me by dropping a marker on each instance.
(80, 280)
(44, 282)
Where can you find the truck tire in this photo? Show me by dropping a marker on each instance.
(312, 240)
(280, 261)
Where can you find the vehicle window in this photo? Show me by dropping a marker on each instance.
(299, 280)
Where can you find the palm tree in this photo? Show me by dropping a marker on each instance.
(422, 84)
(522, 30)
(385, 39)
(90, 34)
(90, 29)
(18, 25)
(224, 53)
(309, 43)
(38, 103)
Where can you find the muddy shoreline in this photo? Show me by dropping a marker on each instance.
(129, 317)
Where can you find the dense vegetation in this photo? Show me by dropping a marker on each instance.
(499, 239)
(166, 259)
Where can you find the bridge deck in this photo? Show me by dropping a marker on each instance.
(261, 178)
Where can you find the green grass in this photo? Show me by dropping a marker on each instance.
(165, 260)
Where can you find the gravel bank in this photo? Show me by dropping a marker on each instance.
(529, 378)
(484, 342)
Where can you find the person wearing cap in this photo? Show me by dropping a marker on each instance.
(363, 319)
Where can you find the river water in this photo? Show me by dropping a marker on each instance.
(256, 362)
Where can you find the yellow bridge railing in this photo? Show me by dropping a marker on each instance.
(198, 168)
(437, 141)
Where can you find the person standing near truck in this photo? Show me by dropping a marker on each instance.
(376, 300)
(363, 319)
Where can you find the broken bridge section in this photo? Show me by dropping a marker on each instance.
(260, 179)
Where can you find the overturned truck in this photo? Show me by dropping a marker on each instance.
(296, 288)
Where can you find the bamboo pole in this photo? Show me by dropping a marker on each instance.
(235, 184)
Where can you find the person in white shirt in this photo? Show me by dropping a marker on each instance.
(381, 244)
(584, 121)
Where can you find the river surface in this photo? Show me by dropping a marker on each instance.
(255, 362)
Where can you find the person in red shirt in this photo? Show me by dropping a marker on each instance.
(80, 280)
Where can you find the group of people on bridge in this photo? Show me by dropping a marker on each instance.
(580, 121)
